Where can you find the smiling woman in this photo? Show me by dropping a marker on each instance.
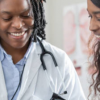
(94, 14)
(16, 25)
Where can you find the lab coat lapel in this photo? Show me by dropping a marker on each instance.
(3, 91)
(30, 72)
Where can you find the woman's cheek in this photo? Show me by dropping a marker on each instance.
(29, 22)
(4, 26)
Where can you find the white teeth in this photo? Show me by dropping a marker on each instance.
(17, 34)
(98, 36)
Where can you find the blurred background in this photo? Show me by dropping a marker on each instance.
(68, 29)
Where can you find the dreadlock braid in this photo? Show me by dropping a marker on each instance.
(39, 19)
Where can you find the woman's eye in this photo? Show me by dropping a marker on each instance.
(26, 16)
(98, 19)
(90, 16)
(7, 19)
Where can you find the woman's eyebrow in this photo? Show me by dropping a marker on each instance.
(8, 12)
(96, 12)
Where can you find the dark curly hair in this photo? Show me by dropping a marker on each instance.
(39, 19)
(95, 53)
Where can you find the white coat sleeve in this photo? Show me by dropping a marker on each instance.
(71, 80)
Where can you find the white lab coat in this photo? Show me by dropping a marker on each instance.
(35, 84)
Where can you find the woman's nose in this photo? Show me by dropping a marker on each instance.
(18, 23)
(93, 25)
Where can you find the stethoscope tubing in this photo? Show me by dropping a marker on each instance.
(45, 52)
(19, 83)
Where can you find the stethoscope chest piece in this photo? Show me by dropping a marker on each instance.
(56, 97)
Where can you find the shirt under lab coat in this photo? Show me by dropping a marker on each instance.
(35, 84)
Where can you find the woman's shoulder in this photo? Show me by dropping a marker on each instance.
(63, 60)
(60, 55)
(49, 47)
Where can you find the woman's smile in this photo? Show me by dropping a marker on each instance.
(97, 37)
(18, 35)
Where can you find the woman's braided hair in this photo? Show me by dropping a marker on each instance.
(39, 19)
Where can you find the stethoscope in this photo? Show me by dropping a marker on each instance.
(55, 96)
(45, 52)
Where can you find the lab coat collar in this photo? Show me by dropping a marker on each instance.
(31, 69)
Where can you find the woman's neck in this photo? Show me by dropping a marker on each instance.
(16, 53)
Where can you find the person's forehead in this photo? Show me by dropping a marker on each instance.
(91, 6)
(14, 4)
(96, 3)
